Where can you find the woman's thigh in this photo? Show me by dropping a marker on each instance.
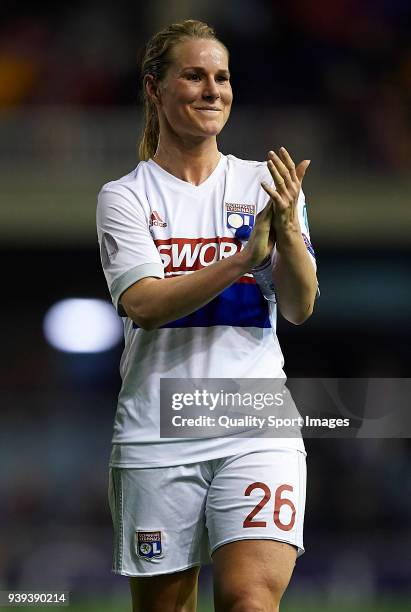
(176, 592)
(252, 575)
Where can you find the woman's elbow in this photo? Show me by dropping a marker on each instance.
(146, 321)
(137, 302)
(146, 324)
(300, 316)
(303, 311)
(303, 318)
(141, 317)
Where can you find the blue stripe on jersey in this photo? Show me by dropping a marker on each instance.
(241, 305)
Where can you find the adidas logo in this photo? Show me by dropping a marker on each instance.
(156, 220)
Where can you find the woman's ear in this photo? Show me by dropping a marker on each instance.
(152, 89)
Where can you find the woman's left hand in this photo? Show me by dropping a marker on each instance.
(287, 179)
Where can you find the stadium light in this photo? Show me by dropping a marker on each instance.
(79, 325)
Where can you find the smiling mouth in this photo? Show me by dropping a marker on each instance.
(209, 110)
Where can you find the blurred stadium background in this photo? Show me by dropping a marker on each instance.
(332, 82)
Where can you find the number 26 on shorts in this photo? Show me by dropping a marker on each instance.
(279, 502)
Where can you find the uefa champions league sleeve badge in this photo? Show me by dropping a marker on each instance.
(149, 545)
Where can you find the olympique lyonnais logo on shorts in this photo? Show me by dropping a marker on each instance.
(156, 220)
(238, 215)
(149, 544)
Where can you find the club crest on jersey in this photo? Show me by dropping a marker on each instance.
(156, 220)
(239, 215)
(149, 544)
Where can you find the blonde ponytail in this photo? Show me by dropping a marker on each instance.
(149, 141)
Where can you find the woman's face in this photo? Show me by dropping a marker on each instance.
(195, 96)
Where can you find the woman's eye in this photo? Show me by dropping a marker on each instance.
(193, 77)
(222, 79)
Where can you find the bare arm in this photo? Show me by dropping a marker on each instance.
(294, 278)
(293, 274)
(153, 302)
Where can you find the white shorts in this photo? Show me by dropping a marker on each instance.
(168, 519)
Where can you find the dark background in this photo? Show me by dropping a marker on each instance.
(332, 82)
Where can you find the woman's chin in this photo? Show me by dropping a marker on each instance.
(211, 129)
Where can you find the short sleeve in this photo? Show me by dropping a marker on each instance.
(127, 250)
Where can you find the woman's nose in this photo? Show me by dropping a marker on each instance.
(211, 89)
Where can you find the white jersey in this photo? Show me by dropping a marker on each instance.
(153, 224)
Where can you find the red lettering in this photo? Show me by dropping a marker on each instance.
(279, 502)
(248, 521)
(190, 254)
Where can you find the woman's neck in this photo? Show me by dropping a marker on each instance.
(191, 163)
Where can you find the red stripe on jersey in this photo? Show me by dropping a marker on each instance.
(250, 280)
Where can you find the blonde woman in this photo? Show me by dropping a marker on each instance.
(180, 236)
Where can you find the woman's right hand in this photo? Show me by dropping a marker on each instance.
(262, 239)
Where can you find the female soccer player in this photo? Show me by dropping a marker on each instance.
(178, 256)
